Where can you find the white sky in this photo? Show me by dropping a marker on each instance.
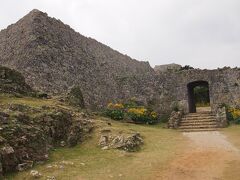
(200, 33)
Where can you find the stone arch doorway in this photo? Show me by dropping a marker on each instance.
(196, 89)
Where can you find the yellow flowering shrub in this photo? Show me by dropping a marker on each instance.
(115, 106)
(138, 111)
(153, 114)
(233, 114)
(115, 111)
(131, 111)
(142, 115)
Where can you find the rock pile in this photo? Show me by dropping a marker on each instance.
(128, 143)
(175, 119)
(25, 140)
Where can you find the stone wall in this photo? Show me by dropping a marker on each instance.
(224, 87)
(54, 58)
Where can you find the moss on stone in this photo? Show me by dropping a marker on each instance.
(75, 97)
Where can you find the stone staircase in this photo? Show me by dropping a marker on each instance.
(200, 121)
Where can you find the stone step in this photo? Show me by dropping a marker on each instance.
(198, 126)
(198, 120)
(201, 121)
(199, 115)
(199, 130)
(198, 123)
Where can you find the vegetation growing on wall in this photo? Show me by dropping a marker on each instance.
(233, 115)
(186, 67)
(131, 111)
(75, 97)
(201, 95)
(13, 82)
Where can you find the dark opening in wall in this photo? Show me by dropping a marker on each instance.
(198, 95)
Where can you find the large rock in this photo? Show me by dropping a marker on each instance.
(8, 158)
(128, 143)
(4, 117)
(35, 174)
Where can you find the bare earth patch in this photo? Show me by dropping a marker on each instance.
(206, 157)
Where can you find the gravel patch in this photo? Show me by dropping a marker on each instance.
(210, 140)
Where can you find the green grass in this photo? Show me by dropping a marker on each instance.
(38, 103)
(160, 146)
(29, 101)
(202, 104)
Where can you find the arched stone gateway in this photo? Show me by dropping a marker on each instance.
(175, 88)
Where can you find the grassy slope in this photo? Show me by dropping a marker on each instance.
(90, 162)
(233, 169)
(35, 103)
(32, 102)
(160, 146)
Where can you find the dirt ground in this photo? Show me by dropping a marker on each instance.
(208, 156)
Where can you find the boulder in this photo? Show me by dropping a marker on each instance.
(8, 157)
(129, 143)
(4, 118)
(35, 174)
(24, 166)
(103, 141)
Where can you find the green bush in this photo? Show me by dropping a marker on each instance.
(131, 110)
(115, 114)
(229, 116)
(237, 121)
(115, 111)
(41, 95)
(186, 67)
(233, 114)
(164, 118)
(142, 115)
(75, 97)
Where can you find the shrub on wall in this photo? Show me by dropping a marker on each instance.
(75, 97)
(233, 114)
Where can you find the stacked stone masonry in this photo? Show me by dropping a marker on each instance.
(54, 58)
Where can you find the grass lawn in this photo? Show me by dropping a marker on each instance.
(30, 101)
(88, 161)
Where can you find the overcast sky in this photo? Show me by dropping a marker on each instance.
(200, 33)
